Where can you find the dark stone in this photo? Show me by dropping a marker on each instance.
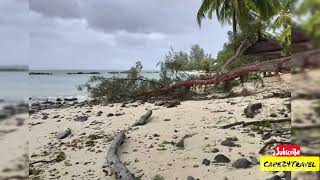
(32, 111)
(266, 136)
(3, 115)
(59, 99)
(159, 103)
(119, 114)
(220, 158)
(206, 162)
(229, 143)
(20, 121)
(232, 138)
(56, 116)
(70, 99)
(110, 114)
(64, 134)
(273, 115)
(298, 121)
(61, 157)
(251, 109)
(254, 160)
(172, 104)
(81, 118)
(44, 117)
(190, 178)
(99, 113)
(241, 163)
(94, 136)
(215, 150)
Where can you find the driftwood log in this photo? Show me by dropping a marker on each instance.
(232, 124)
(143, 119)
(60, 157)
(306, 127)
(268, 121)
(263, 149)
(244, 124)
(180, 143)
(117, 167)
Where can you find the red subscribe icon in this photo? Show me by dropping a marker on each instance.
(287, 150)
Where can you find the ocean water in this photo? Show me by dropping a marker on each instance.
(20, 86)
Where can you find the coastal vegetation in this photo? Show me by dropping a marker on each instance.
(261, 36)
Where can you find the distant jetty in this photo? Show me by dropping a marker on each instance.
(40, 73)
(83, 73)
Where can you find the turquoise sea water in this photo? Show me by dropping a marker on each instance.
(21, 85)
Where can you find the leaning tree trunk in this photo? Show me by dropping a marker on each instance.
(303, 60)
(244, 45)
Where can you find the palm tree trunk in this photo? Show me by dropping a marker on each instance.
(234, 23)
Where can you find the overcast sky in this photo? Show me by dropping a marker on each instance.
(101, 34)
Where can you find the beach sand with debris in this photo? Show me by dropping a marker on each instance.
(151, 151)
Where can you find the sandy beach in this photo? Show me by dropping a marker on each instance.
(150, 151)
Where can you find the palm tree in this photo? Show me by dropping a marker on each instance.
(244, 14)
(238, 12)
(282, 21)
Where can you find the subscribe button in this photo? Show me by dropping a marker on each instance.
(287, 158)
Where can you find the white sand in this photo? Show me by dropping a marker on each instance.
(147, 154)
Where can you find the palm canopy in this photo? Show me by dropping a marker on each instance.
(239, 12)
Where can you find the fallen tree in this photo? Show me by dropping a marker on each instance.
(303, 60)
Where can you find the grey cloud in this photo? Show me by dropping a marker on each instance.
(101, 34)
(56, 8)
(14, 26)
(128, 15)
